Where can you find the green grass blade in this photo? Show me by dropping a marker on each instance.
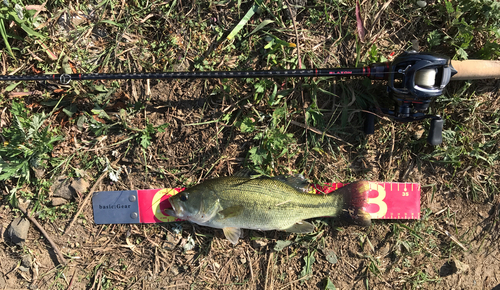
(30, 31)
(261, 25)
(111, 22)
(244, 20)
(4, 36)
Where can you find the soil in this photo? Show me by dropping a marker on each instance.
(194, 148)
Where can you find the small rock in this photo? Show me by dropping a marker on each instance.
(243, 260)
(80, 185)
(39, 172)
(174, 270)
(26, 261)
(3, 283)
(23, 203)
(259, 243)
(330, 256)
(58, 201)
(384, 251)
(18, 231)
(24, 269)
(458, 267)
(483, 214)
(62, 188)
(418, 134)
(421, 4)
(171, 242)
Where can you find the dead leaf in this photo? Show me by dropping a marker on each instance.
(359, 23)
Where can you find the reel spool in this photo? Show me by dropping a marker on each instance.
(415, 79)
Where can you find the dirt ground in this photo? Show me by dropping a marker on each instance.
(153, 257)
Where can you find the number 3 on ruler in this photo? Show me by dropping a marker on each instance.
(379, 200)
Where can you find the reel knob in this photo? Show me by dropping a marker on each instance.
(435, 136)
(369, 123)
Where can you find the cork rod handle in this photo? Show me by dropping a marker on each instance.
(476, 69)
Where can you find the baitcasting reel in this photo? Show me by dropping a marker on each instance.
(415, 79)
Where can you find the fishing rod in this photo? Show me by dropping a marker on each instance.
(373, 71)
(414, 80)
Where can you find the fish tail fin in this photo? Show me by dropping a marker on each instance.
(355, 198)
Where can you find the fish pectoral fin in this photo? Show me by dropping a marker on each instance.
(301, 228)
(231, 211)
(232, 234)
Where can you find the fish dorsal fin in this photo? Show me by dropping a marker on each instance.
(296, 181)
(301, 227)
(231, 211)
(232, 234)
(247, 173)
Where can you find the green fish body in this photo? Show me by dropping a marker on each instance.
(281, 203)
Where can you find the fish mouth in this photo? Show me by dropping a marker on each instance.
(176, 211)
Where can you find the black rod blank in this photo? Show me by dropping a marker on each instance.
(66, 78)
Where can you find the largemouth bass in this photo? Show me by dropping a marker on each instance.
(280, 203)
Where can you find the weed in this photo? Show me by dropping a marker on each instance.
(308, 263)
(26, 145)
(470, 18)
(274, 142)
(21, 17)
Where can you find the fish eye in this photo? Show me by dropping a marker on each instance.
(183, 197)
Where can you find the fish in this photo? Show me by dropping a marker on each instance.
(280, 203)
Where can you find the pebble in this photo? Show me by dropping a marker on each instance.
(80, 185)
(421, 4)
(24, 269)
(27, 261)
(61, 188)
(174, 270)
(18, 231)
(458, 267)
(56, 201)
(259, 243)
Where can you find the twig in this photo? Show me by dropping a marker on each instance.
(296, 33)
(317, 131)
(71, 281)
(250, 264)
(270, 258)
(45, 234)
(85, 201)
(392, 146)
(295, 281)
(455, 240)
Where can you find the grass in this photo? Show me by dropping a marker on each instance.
(188, 131)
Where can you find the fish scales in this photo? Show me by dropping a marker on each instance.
(269, 204)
